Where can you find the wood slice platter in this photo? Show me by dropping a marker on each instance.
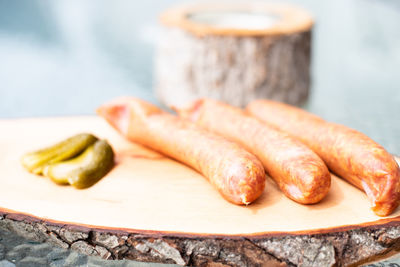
(152, 208)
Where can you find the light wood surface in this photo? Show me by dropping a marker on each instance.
(146, 191)
(290, 19)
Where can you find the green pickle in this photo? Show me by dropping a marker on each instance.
(84, 170)
(36, 161)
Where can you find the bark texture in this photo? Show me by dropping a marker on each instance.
(346, 248)
(233, 69)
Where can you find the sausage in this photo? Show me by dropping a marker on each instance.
(237, 174)
(347, 152)
(299, 172)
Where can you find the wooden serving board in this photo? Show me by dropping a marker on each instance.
(148, 206)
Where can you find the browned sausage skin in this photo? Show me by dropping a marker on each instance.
(237, 174)
(299, 172)
(347, 152)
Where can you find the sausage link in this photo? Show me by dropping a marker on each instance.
(238, 175)
(299, 172)
(347, 152)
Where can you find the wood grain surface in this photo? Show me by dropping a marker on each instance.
(152, 208)
(146, 191)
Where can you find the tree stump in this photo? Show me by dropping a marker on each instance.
(151, 208)
(231, 53)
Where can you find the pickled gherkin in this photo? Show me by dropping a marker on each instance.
(86, 169)
(35, 161)
(80, 161)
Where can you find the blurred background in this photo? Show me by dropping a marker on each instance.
(66, 57)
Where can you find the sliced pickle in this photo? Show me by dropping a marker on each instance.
(84, 170)
(35, 161)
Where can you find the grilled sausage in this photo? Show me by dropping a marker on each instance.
(299, 172)
(347, 152)
(237, 174)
